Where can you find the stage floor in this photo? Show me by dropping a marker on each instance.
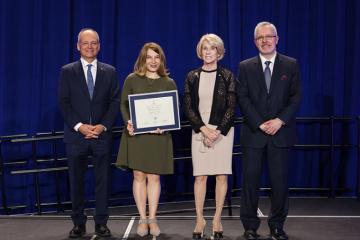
(309, 218)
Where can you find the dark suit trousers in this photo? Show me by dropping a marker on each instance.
(252, 164)
(77, 153)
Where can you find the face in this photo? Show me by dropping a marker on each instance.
(266, 40)
(209, 53)
(88, 45)
(152, 61)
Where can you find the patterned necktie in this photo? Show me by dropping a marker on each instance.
(267, 74)
(90, 81)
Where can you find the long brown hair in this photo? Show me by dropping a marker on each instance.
(140, 64)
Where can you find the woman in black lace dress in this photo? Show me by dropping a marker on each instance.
(210, 100)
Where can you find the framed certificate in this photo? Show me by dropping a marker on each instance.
(150, 111)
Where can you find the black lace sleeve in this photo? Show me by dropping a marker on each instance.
(190, 105)
(228, 118)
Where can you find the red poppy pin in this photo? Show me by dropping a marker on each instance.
(284, 78)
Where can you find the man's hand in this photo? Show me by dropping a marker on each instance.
(272, 126)
(264, 127)
(99, 128)
(88, 131)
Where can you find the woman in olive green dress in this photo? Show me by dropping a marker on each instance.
(149, 154)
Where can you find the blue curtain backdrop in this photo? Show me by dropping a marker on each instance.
(38, 37)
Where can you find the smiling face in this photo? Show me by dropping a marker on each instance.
(209, 53)
(152, 61)
(266, 40)
(88, 45)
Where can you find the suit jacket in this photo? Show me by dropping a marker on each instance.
(76, 105)
(258, 106)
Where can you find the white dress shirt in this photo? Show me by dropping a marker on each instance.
(85, 64)
(271, 65)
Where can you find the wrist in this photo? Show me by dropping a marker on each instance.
(77, 126)
(281, 121)
(203, 129)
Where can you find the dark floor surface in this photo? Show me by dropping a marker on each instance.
(309, 218)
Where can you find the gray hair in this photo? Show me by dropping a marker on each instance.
(261, 24)
(86, 29)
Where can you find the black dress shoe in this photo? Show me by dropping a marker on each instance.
(278, 234)
(102, 230)
(77, 231)
(251, 235)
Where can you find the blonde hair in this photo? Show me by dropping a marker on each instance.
(213, 40)
(140, 64)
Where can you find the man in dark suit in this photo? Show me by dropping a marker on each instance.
(89, 101)
(269, 95)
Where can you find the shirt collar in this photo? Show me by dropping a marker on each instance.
(263, 59)
(84, 63)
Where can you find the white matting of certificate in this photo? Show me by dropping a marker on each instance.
(154, 112)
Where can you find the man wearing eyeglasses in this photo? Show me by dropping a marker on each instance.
(269, 94)
(89, 101)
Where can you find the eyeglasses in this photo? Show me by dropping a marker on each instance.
(266, 38)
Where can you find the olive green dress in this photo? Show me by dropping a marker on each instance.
(150, 153)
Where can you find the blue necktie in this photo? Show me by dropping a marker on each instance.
(90, 81)
(267, 74)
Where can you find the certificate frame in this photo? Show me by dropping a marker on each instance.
(164, 104)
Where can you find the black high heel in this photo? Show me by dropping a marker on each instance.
(199, 235)
(217, 235)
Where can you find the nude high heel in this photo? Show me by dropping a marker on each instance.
(154, 231)
(140, 231)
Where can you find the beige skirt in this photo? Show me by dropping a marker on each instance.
(216, 160)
